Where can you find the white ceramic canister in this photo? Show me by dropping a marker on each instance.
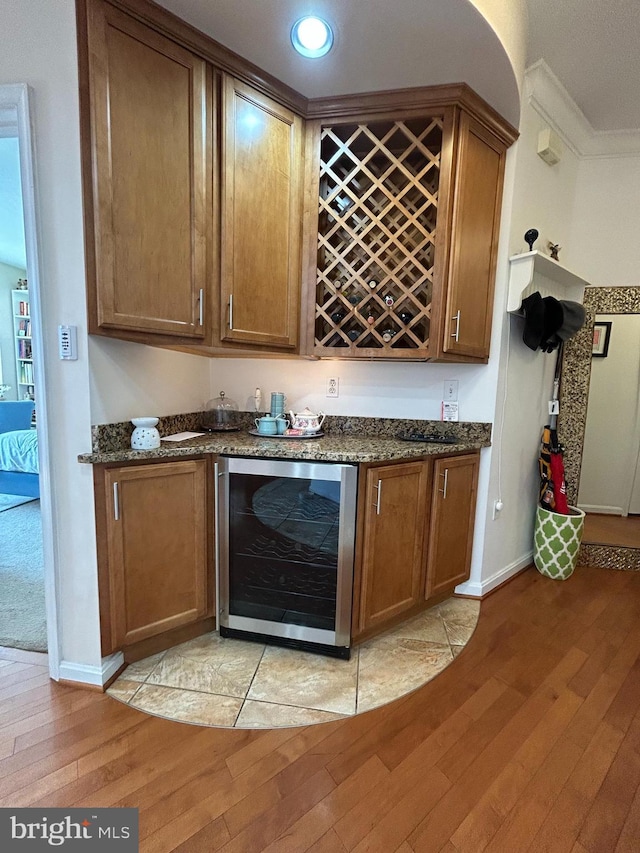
(145, 435)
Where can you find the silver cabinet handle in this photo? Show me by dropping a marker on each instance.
(116, 503)
(231, 312)
(201, 307)
(377, 503)
(443, 490)
(456, 334)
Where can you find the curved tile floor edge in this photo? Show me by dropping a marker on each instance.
(212, 681)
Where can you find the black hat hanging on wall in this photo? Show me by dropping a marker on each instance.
(548, 321)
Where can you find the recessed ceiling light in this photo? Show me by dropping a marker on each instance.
(312, 37)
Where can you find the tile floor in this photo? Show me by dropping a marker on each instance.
(210, 681)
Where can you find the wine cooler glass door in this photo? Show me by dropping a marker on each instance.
(286, 550)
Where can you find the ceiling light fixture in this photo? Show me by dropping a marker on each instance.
(312, 37)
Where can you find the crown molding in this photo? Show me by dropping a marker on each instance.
(554, 104)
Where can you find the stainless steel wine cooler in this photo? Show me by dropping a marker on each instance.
(286, 532)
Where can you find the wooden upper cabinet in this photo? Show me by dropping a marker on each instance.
(151, 128)
(157, 575)
(402, 226)
(472, 244)
(393, 517)
(455, 483)
(261, 219)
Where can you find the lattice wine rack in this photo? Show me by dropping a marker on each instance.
(378, 203)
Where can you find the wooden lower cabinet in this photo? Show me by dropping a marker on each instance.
(453, 505)
(155, 549)
(390, 571)
(415, 532)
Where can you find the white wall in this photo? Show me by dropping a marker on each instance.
(543, 198)
(611, 438)
(38, 48)
(606, 221)
(133, 380)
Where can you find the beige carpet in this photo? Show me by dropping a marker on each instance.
(22, 607)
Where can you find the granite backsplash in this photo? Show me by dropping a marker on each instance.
(107, 438)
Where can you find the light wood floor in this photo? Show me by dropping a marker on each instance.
(529, 741)
(612, 530)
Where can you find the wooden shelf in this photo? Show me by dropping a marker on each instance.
(533, 271)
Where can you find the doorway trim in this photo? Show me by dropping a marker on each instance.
(17, 97)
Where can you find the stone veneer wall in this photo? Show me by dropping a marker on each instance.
(574, 398)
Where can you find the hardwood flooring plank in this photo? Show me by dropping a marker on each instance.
(496, 804)
(211, 837)
(38, 658)
(630, 834)
(606, 817)
(160, 807)
(416, 802)
(627, 700)
(36, 678)
(313, 825)
(462, 798)
(42, 787)
(562, 825)
(136, 747)
(329, 843)
(59, 750)
(275, 822)
(536, 800)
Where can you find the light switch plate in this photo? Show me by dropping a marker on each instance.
(68, 343)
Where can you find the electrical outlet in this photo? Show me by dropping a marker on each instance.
(450, 390)
(333, 387)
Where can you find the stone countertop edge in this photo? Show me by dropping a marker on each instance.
(347, 439)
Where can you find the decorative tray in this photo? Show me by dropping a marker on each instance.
(308, 435)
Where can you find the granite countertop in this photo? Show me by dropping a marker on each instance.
(346, 440)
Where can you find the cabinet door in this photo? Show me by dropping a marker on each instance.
(394, 521)
(156, 528)
(455, 483)
(477, 196)
(261, 219)
(150, 148)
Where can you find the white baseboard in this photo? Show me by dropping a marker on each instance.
(478, 589)
(602, 510)
(97, 676)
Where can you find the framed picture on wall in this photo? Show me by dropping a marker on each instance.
(601, 337)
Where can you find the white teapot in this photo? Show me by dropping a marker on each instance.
(307, 420)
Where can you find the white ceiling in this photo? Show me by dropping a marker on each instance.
(592, 46)
(379, 44)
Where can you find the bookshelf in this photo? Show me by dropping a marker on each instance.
(23, 345)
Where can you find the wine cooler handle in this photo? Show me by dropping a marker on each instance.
(216, 534)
